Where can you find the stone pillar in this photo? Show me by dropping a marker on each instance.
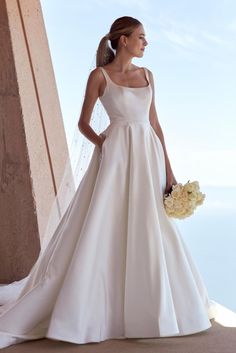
(33, 147)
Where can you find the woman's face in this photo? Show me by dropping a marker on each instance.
(136, 42)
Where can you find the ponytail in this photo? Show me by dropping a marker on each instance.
(105, 54)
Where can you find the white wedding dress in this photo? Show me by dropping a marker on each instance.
(116, 265)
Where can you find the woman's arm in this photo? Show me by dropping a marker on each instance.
(91, 95)
(156, 126)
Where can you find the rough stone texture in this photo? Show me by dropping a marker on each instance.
(33, 147)
(217, 339)
(19, 238)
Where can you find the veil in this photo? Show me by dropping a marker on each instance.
(77, 162)
(80, 153)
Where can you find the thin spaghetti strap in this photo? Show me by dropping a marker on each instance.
(146, 74)
(105, 74)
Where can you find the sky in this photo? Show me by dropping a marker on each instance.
(191, 52)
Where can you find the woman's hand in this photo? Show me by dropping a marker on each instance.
(170, 180)
(102, 139)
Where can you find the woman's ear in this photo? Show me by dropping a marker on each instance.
(123, 40)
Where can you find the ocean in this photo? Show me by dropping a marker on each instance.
(210, 235)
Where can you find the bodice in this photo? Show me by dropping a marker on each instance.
(126, 103)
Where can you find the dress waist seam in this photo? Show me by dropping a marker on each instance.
(126, 122)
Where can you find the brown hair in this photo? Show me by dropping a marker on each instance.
(121, 26)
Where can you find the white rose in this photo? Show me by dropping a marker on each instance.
(189, 187)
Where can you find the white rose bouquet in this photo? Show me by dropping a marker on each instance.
(183, 199)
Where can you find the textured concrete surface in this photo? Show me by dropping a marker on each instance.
(33, 147)
(217, 339)
(19, 240)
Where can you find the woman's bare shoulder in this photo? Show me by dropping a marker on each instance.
(96, 72)
(96, 76)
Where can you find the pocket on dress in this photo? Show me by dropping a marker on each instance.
(104, 142)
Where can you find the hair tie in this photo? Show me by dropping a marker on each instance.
(107, 36)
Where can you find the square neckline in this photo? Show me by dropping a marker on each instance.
(116, 84)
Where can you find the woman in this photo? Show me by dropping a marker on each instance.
(116, 266)
(124, 72)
